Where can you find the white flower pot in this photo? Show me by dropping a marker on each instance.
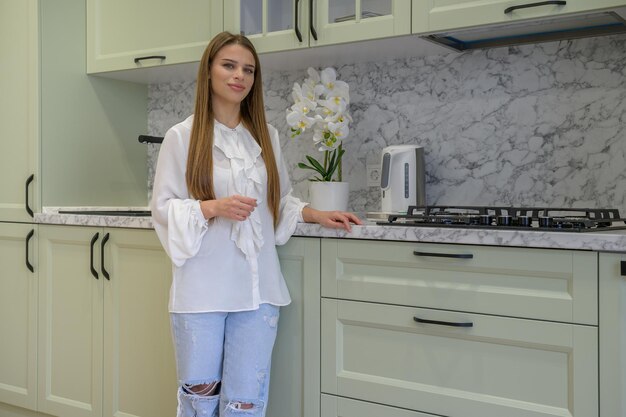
(329, 195)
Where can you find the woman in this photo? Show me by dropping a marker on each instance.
(221, 203)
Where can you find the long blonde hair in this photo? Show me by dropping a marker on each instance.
(199, 175)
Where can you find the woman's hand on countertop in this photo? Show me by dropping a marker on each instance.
(331, 219)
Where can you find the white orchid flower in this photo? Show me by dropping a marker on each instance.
(340, 130)
(299, 121)
(314, 77)
(334, 104)
(332, 87)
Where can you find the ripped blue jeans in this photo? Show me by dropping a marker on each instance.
(228, 352)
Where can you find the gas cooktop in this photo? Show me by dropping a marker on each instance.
(510, 218)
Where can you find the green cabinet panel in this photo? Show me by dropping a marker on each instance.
(346, 407)
(295, 375)
(89, 125)
(543, 284)
(497, 367)
(18, 315)
(104, 343)
(19, 115)
(612, 334)
(70, 330)
(271, 25)
(454, 14)
(358, 20)
(120, 32)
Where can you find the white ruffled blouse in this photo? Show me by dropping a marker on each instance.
(222, 264)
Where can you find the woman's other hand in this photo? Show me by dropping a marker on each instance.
(331, 219)
(235, 207)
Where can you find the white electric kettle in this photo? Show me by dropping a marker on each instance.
(402, 181)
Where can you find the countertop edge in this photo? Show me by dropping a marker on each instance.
(594, 241)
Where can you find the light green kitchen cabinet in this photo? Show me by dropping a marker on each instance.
(455, 14)
(143, 33)
(89, 125)
(70, 323)
(104, 340)
(295, 374)
(19, 114)
(346, 407)
(341, 21)
(612, 334)
(18, 315)
(541, 284)
(455, 363)
(271, 25)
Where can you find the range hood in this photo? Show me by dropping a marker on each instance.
(534, 30)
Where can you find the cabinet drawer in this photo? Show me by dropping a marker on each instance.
(546, 284)
(345, 407)
(499, 367)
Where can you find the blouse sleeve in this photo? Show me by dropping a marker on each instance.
(290, 210)
(178, 219)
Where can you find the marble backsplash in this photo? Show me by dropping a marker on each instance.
(534, 125)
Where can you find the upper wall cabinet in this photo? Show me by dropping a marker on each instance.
(437, 15)
(272, 25)
(142, 33)
(339, 21)
(278, 25)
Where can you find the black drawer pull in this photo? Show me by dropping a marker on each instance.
(297, 25)
(541, 3)
(28, 209)
(141, 58)
(105, 239)
(623, 268)
(445, 255)
(311, 27)
(93, 241)
(444, 323)
(28, 264)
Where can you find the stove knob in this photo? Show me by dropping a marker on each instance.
(486, 219)
(524, 221)
(545, 221)
(504, 220)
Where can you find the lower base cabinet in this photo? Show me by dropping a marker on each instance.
(104, 341)
(18, 315)
(295, 374)
(345, 407)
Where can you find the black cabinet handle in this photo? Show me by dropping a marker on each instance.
(28, 209)
(105, 239)
(311, 27)
(623, 268)
(445, 255)
(444, 323)
(141, 58)
(93, 241)
(28, 264)
(541, 3)
(297, 25)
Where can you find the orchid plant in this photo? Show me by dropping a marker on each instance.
(321, 105)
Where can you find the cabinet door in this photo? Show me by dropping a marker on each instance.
(19, 117)
(18, 315)
(272, 25)
(119, 32)
(346, 407)
(295, 374)
(340, 21)
(497, 367)
(139, 366)
(454, 14)
(70, 323)
(613, 334)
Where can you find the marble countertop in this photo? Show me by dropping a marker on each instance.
(609, 241)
